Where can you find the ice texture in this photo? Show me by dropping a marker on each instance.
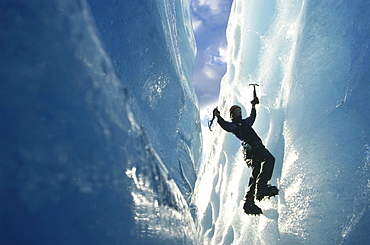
(100, 134)
(310, 59)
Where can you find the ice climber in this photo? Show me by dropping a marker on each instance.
(255, 154)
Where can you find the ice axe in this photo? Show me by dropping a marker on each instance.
(213, 118)
(254, 92)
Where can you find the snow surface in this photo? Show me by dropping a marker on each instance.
(100, 128)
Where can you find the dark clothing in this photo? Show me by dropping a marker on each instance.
(242, 130)
(263, 161)
(262, 167)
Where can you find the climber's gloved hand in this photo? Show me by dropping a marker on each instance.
(255, 101)
(216, 112)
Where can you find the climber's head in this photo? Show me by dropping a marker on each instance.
(235, 112)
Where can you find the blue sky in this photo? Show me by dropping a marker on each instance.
(209, 18)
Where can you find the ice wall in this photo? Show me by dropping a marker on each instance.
(311, 61)
(77, 167)
(152, 48)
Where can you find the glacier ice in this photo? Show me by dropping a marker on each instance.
(310, 59)
(79, 162)
(152, 48)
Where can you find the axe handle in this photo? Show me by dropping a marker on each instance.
(255, 99)
(254, 89)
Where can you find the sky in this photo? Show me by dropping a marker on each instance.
(209, 18)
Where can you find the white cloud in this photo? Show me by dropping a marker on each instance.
(208, 70)
(213, 5)
(216, 55)
(196, 24)
(223, 54)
